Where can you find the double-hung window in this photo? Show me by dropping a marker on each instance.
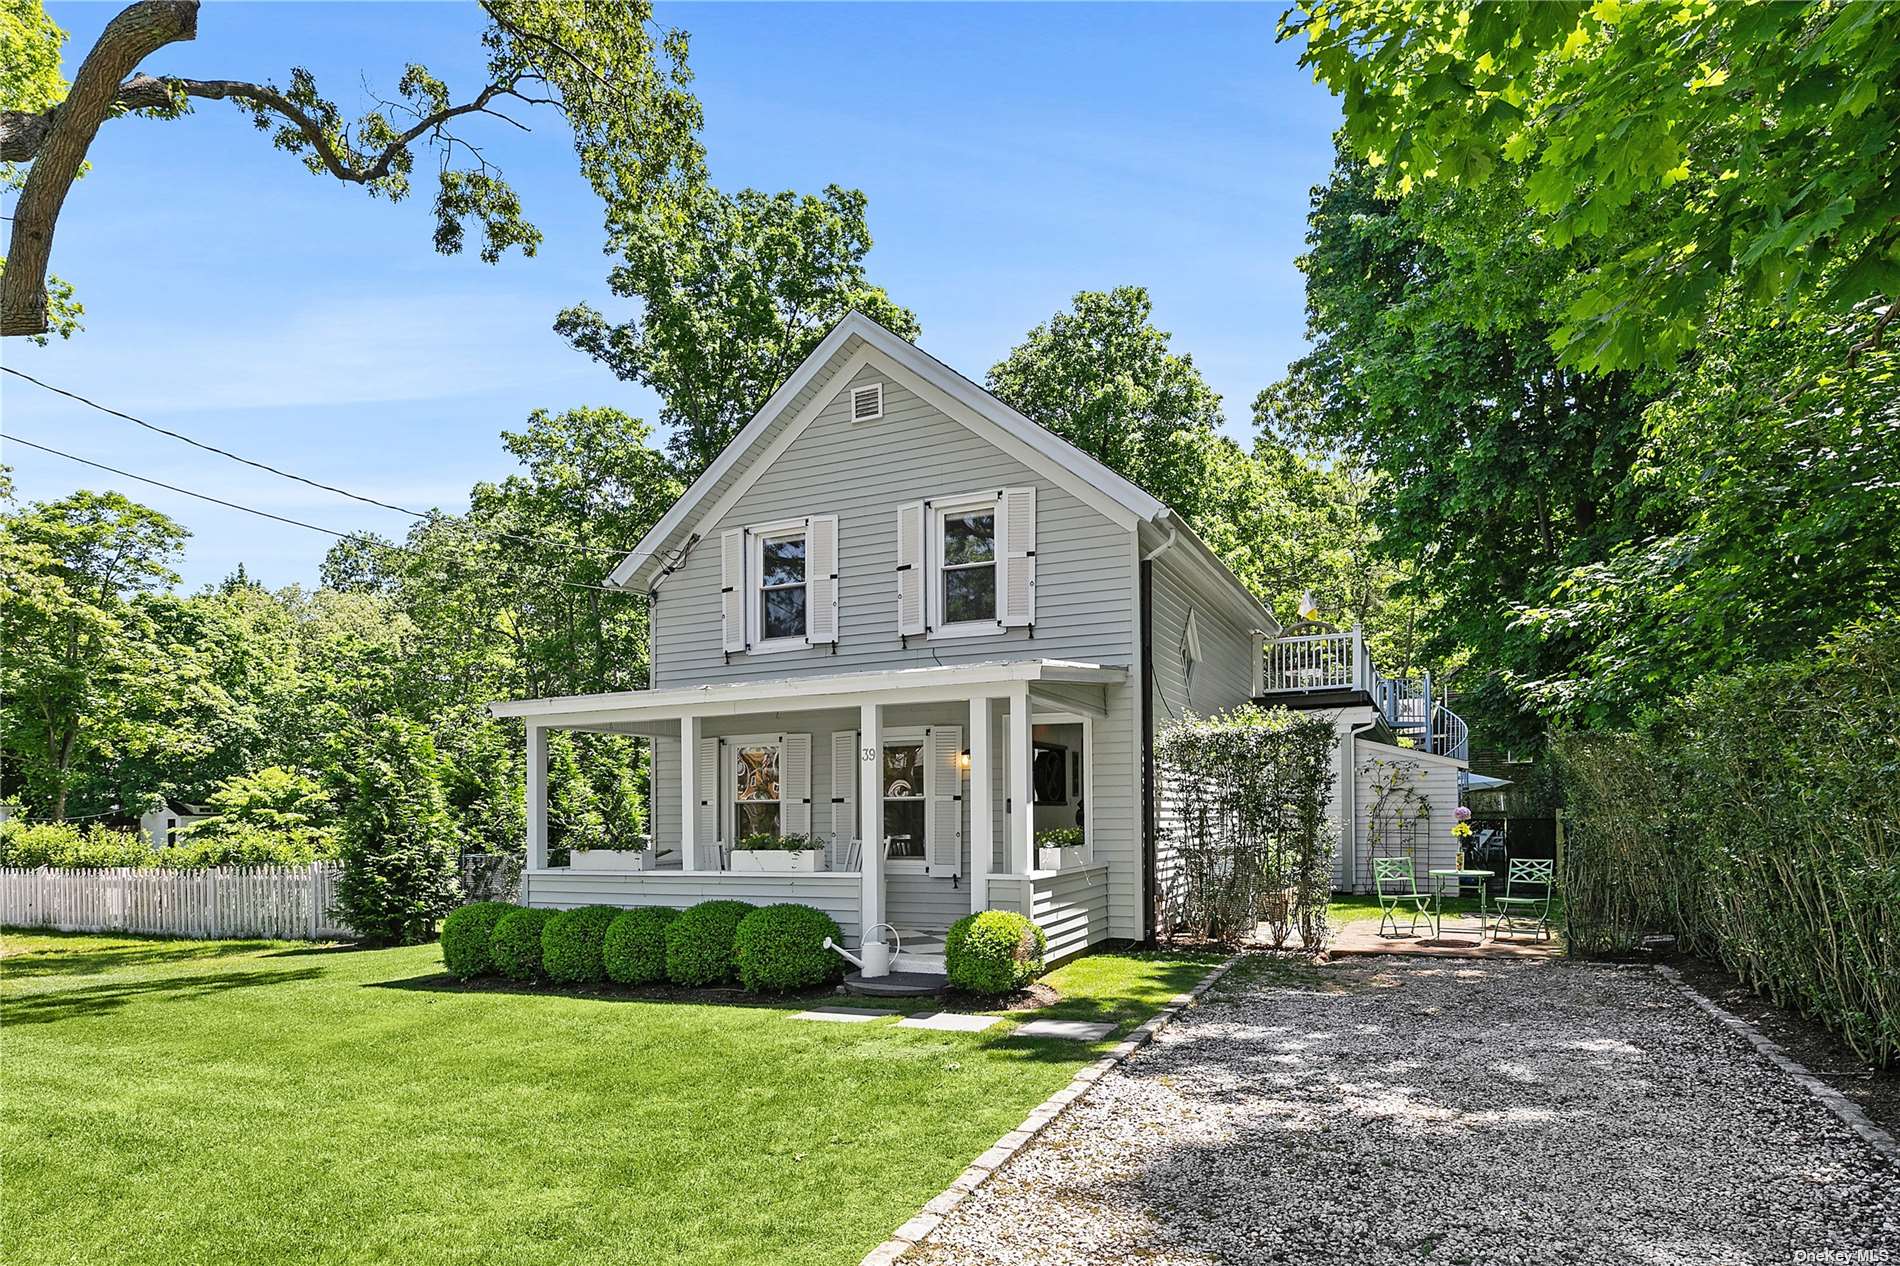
(780, 603)
(964, 549)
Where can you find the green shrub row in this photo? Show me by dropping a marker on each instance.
(767, 949)
(68, 846)
(994, 952)
(1753, 819)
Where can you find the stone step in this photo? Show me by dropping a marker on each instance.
(899, 984)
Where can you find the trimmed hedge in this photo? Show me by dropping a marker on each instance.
(515, 946)
(996, 951)
(699, 943)
(634, 949)
(1753, 819)
(571, 944)
(466, 937)
(781, 948)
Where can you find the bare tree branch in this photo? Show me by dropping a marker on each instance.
(137, 32)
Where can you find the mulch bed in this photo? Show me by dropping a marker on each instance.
(1825, 1054)
(1034, 998)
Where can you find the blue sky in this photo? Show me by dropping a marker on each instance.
(1012, 155)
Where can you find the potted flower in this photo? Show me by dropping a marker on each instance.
(780, 853)
(1060, 849)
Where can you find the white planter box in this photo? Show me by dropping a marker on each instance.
(612, 859)
(1066, 858)
(777, 861)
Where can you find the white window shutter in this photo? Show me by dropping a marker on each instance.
(944, 752)
(1016, 540)
(706, 816)
(910, 569)
(821, 580)
(732, 587)
(844, 797)
(794, 788)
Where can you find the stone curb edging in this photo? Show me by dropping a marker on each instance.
(1833, 1100)
(919, 1228)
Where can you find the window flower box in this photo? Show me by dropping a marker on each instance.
(778, 860)
(613, 859)
(1065, 857)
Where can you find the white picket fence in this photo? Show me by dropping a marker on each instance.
(280, 902)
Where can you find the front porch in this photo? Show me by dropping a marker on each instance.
(951, 771)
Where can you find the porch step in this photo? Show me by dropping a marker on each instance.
(899, 984)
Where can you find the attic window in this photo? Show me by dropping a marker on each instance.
(867, 402)
(1190, 649)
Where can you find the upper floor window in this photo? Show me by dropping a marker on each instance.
(779, 605)
(965, 584)
(779, 584)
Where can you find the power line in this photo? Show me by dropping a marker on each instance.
(292, 475)
(262, 514)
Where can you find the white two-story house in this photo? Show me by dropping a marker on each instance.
(900, 617)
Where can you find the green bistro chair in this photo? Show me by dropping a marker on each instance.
(1517, 912)
(1396, 886)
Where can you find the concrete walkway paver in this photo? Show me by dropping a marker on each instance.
(1393, 1112)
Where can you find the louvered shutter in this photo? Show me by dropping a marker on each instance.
(943, 749)
(706, 816)
(910, 569)
(732, 588)
(1016, 541)
(794, 787)
(821, 579)
(844, 797)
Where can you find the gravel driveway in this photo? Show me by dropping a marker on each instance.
(1393, 1110)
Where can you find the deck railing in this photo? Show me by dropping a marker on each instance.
(1342, 661)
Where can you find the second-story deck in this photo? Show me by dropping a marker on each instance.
(1323, 665)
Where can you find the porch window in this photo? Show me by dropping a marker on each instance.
(904, 800)
(756, 801)
(779, 604)
(964, 592)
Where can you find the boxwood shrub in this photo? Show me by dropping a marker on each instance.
(571, 944)
(699, 943)
(634, 950)
(466, 935)
(516, 945)
(780, 948)
(996, 951)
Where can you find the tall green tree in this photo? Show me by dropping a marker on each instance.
(733, 290)
(1496, 468)
(1765, 136)
(78, 640)
(398, 845)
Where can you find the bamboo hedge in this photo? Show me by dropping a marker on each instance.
(1757, 821)
(1245, 826)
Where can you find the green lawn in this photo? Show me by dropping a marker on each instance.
(183, 1102)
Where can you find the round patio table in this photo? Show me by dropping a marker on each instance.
(1458, 877)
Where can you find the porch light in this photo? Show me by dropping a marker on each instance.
(963, 759)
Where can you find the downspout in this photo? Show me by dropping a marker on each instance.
(1149, 859)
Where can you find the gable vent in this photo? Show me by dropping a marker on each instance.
(867, 402)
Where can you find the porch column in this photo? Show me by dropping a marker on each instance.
(537, 796)
(871, 814)
(689, 792)
(982, 804)
(1022, 814)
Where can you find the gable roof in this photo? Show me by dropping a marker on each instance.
(813, 383)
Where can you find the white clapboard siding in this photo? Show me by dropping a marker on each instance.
(280, 902)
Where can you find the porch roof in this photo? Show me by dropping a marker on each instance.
(786, 694)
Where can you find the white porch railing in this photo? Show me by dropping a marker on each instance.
(1342, 661)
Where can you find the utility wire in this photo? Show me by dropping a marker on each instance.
(286, 474)
(262, 514)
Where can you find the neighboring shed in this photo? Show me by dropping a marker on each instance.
(162, 824)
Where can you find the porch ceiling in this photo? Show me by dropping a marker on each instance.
(809, 693)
